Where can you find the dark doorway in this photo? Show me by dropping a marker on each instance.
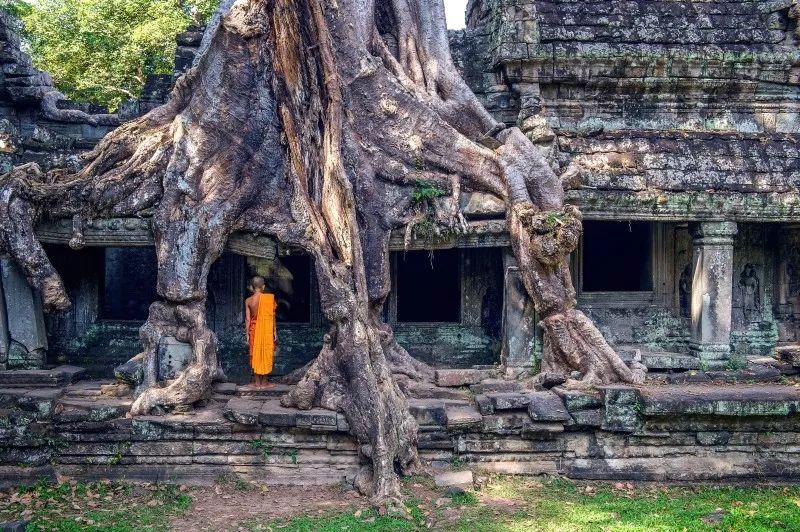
(428, 286)
(617, 257)
(129, 283)
(289, 278)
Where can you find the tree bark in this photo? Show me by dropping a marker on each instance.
(312, 121)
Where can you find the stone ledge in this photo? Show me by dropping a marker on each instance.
(736, 401)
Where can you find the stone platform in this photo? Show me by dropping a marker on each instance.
(679, 433)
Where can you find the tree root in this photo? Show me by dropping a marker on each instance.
(573, 343)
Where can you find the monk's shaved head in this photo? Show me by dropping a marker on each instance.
(258, 282)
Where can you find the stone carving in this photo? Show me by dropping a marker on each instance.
(685, 291)
(750, 286)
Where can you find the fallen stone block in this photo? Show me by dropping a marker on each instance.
(459, 479)
(546, 406)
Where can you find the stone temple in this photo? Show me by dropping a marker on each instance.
(676, 126)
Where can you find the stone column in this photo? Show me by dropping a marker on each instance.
(712, 292)
(25, 320)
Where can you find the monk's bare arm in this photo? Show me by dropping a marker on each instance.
(246, 320)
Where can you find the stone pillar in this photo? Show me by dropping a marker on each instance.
(27, 336)
(519, 320)
(712, 292)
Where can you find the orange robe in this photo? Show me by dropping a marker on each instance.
(261, 335)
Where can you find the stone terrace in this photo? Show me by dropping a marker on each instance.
(737, 432)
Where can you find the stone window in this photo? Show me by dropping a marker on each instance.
(290, 279)
(428, 286)
(617, 257)
(129, 283)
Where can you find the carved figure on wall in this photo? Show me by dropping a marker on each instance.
(685, 290)
(750, 285)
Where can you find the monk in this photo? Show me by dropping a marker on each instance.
(259, 319)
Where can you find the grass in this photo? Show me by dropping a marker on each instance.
(518, 504)
(504, 504)
(94, 507)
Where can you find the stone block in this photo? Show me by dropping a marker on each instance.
(463, 417)
(728, 401)
(496, 386)
(244, 411)
(588, 418)
(577, 400)
(713, 438)
(173, 357)
(459, 479)
(316, 417)
(225, 388)
(428, 411)
(546, 406)
(510, 400)
(26, 328)
(485, 406)
(272, 414)
(623, 409)
(462, 377)
(131, 371)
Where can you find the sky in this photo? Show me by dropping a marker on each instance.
(454, 11)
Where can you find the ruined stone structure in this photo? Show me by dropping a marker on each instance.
(675, 124)
(677, 121)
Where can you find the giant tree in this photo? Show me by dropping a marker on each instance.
(311, 121)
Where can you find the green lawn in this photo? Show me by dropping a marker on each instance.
(504, 504)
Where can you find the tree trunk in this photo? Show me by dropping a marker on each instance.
(312, 122)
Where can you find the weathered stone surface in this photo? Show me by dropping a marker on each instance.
(244, 411)
(131, 371)
(460, 479)
(623, 409)
(736, 401)
(462, 377)
(26, 328)
(495, 386)
(463, 417)
(579, 400)
(428, 411)
(547, 406)
(225, 388)
(317, 418)
(272, 414)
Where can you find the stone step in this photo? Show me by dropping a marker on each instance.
(72, 410)
(275, 390)
(41, 378)
(541, 406)
(734, 401)
(463, 417)
(270, 413)
(463, 377)
(495, 385)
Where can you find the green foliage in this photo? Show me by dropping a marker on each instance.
(102, 51)
(425, 192)
(263, 446)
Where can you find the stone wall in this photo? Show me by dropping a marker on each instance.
(690, 433)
